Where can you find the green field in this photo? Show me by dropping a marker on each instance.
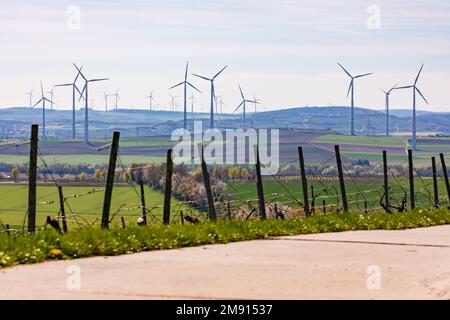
(375, 141)
(13, 203)
(289, 193)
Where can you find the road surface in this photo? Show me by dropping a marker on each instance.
(410, 264)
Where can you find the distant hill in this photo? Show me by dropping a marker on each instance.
(15, 122)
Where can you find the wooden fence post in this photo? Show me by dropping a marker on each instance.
(435, 185)
(144, 208)
(8, 229)
(412, 198)
(444, 170)
(386, 183)
(366, 210)
(341, 178)
(313, 201)
(259, 187)
(182, 217)
(304, 182)
(110, 180)
(32, 178)
(324, 206)
(209, 195)
(168, 187)
(62, 209)
(123, 222)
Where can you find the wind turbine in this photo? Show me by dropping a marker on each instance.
(211, 124)
(185, 83)
(172, 102)
(150, 99)
(415, 89)
(74, 90)
(31, 97)
(86, 100)
(387, 94)
(351, 88)
(117, 96)
(219, 104)
(244, 101)
(255, 102)
(43, 99)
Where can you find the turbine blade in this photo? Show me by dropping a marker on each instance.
(238, 106)
(37, 103)
(392, 88)
(82, 92)
(242, 94)
(421, 95)
(186, 72)
(418, 75)
(404, 87)
(204, 78)
(179, 84)
(349, 87)
(219, 72)
(79, 71)
(193, 87)
(348, 73)
(100, 79)
(63, 85)
(42, 90)
(363, 75)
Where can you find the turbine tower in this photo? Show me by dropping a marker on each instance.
(415, 89)
(242, 104)
(387, 94)
(150, 100)
(106, 100)
(86, 100)
(211, 124)
(43, 99)
(185, 83)
(74, 90)
(31, 97)
(351, 88)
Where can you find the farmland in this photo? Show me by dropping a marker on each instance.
(13, 199)
(290, 193)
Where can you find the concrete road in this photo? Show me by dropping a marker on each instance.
(410, 264)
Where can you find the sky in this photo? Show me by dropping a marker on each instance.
(285, 52)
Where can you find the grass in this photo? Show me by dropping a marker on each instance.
(286, 193)
(48, 244)
(13, 203)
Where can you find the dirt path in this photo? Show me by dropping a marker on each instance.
(412, 264)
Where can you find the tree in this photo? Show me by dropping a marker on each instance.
(15, 173)
(98, 174)
(83, 176)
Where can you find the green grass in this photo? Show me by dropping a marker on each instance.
(48, 244)
(13, 203)
(362, 140)
(287, 193)
(82, 159)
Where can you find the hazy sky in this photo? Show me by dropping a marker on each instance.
(283, 51)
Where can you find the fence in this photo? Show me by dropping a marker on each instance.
(279, 197)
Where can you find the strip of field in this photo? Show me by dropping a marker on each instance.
(290, 193)
(80, 205)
